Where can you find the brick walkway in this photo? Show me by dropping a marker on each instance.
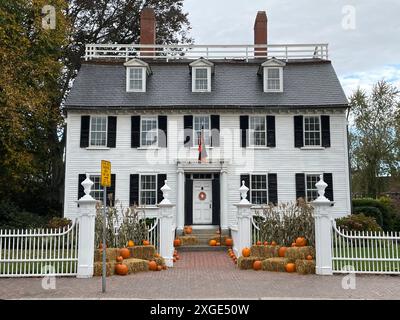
(206, 275)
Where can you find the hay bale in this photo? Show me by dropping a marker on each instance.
(305, 266)
(188, 240)
(245, 263)
(219, 238)
(274, 264)
(299, 253)
(136, 265)
(264, 252)
(111, 254)
(98, 268)
(143, 252)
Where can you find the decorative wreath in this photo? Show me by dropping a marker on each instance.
(202, 196)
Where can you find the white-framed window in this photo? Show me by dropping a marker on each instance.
(136, 79)
(97, 190)
(311, 189)
(148, 131)
(258, 127)
(148, 190)
(258, 189)
(199, 123)
(312, 130)
(273, 79)
(201, 79)
(98, 131)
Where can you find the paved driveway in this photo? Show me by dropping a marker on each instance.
(206, 275)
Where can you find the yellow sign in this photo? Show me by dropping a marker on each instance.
(105, 173)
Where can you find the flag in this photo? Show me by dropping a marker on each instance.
(202, 147)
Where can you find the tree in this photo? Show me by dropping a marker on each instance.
(374, 137)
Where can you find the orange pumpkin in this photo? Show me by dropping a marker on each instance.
(159, 268)
(228, 242)
(231, 254)
(293, 244)
(257, 265)
(290, 267)
(146, 242)
(309, 257)
(301, 242)
(152, 266)
(188, 229)
(164, 267)
(124, 252)
(282, 251)
(246, 252)
(121, 269)
(265, 243)
(174, 259)
(156, 255)
(177, 257)
(131, 243)
(120, 259)
(177, 242)
(213, 243)
(258, 243)
(273, 243)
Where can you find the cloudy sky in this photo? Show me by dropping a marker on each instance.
(363, 35)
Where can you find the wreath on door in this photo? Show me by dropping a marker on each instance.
(202, 196)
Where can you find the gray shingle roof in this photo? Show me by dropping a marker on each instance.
(233, 84)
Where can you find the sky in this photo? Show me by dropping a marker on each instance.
(363, 35)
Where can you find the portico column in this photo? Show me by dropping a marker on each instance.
(224, 199)
(180, 197)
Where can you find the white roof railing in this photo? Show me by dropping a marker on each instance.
(239, 52)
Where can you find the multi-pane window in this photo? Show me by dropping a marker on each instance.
(257, 130)
(98, 131)
(201, 79)
(311, 189)
(135, 81)
(258, 190)
(201, 122)
(312, 131)
(149, 131)
(148, 190)
(97, 189)
(273, 79)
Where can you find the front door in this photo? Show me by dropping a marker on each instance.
(202, 202)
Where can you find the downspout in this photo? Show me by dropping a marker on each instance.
(348, 161)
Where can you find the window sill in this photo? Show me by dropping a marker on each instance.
(312, 148)
(148, 148)
(98, 148)
(151, 207)
(259, 147)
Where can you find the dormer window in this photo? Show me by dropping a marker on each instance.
(272, 71)
(201, 75)
(136, 75)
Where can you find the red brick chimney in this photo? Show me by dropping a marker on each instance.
(260, 32)
(148, 29)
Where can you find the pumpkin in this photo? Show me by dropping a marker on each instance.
(290, 267)
(246, 252)
(152, 266)
(213, 243)
(124, 253)
(174, 259)
(120, 259)
(177, 257)
(228, 242)
(121, 269)
(231, 254)
(257, 265)
(301, 242)
(309, 257)
(159, 268)
(293, 244)
(131, 243)
(265, 243)
(282, 251)
(188, 230)
(258, 243)
(146, 242)
(175, 254)
(177, 242)
(164, 267)
(273, 243)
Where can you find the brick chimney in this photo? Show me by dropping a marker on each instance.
(260, 32)
(148, 29)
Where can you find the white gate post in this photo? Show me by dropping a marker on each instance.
(244, 220)
(167, 231)
(87, 214)
(323, 230)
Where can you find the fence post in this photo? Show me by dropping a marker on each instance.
(323, 230)
(167, 231)
(86, 221)
(244, 220)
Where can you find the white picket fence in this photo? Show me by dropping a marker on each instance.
(365, 252)
(154, 234)
(39, 252)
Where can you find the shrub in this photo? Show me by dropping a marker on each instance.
(383, 205)
(373, 212)
(57, 222)
(12, 217)
(358, 222)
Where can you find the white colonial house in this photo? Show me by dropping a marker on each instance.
(272, 115)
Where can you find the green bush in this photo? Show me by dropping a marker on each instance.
(373, 212)
(383, 205)
(358, 222)
(12, 217)
(57, 222)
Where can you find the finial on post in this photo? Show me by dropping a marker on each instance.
(243, 193)
(321, 186)
(87, 188)
(165, 190)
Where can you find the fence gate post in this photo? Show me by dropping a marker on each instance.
(167, 231)
(244, 220)
(86, 221)
(323, 230)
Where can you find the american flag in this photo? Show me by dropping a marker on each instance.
(202, 147)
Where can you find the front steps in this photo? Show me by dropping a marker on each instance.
(200, 237)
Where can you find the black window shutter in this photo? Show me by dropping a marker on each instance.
(273, 188)
(246, 179)
(188, 131)
(111, 190)
(85, 127)
(244, 126)
(216, 202)
(298, 132)
(162, 127)
(160, 183)
(188, 201)
(215, 130)
(81, 192)
(325, 131)
(135, 131)
(300, 186)
(112, 131)
(133, 189)
(271, 140)
(329, 189)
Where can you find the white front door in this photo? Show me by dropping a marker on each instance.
(202, 202)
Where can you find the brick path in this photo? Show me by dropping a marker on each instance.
(206, 275)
